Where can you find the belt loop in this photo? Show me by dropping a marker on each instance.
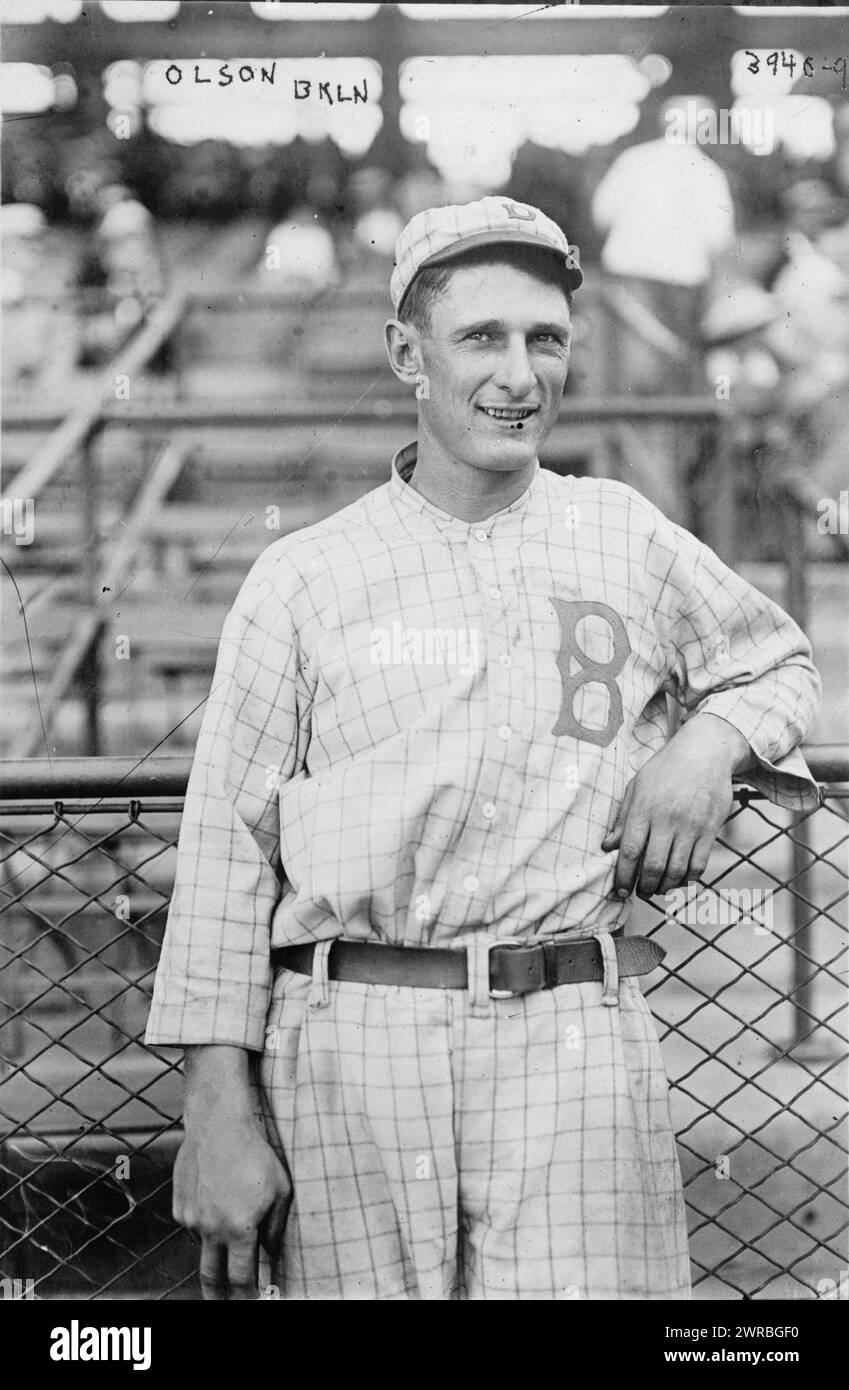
(549, 959)
(477, 967)
(610, 986)
(319, 995)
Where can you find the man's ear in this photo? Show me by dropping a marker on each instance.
(403, 348)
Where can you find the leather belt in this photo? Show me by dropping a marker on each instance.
(514, 968)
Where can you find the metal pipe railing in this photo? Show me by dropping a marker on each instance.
(159, 774)
(165, 774)
(240, 413)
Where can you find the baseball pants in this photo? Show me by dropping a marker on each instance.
(445, 1145)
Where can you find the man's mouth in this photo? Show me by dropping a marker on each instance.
(510, 413)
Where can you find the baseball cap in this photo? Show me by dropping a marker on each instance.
(441, 234)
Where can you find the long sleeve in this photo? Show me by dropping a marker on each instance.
(214, 975)
(734, 653)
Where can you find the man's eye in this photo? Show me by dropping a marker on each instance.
(550, 338)
(480, 335)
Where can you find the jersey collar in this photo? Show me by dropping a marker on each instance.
(414, 503)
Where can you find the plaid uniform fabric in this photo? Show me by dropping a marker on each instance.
(432, 233)
(526, 1154)
(421, 728)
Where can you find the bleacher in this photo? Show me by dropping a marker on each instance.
(276, 410)
(313, 419)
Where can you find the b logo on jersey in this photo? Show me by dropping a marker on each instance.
(570, 612)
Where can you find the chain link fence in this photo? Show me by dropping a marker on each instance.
(749, 1002)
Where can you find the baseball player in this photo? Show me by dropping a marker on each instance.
(434, 767)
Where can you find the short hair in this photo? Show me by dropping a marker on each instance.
(431, 282)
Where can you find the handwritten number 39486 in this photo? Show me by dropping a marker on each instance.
(781, 60)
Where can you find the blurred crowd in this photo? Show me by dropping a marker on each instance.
(758, 295)
(732, 270)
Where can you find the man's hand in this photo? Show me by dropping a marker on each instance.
(229, 1185)
(674, 807)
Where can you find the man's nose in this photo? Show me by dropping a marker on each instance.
(514, 372)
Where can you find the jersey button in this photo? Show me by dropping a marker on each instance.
(505, 732)
(471, 884)
(505, 660)
(481, 536)
(488, 810)
(494, 592)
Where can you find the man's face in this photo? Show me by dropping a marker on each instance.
(495, 361)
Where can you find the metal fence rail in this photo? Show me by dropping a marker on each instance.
(749, 1003)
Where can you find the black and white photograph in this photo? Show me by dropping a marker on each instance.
(424, 763)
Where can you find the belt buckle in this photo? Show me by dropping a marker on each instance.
(503, 941)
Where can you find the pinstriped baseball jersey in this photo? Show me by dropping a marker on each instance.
(420, 727)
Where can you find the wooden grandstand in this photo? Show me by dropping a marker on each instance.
(150, 508)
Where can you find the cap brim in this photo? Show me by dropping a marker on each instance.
(572, 275)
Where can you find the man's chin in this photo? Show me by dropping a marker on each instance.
(508, 448)
(503, 460)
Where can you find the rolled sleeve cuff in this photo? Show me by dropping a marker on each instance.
(179, 1018)
(784, 780)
